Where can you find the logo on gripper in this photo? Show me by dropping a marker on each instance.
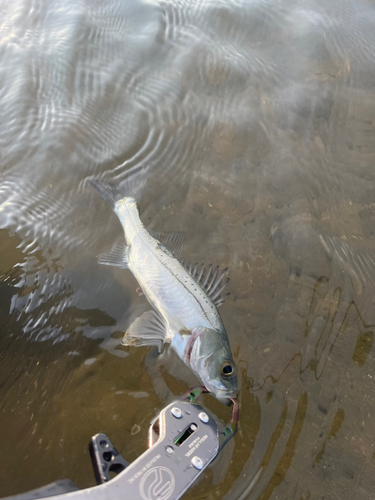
(157, 484)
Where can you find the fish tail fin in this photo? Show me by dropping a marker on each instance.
(131, 186)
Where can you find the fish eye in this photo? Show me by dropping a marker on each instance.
(227, 369)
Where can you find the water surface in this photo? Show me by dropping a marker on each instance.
(258, 120)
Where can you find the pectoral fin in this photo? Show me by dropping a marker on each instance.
(117, 257)
(148, 329)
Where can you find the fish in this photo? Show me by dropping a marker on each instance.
(184, 298)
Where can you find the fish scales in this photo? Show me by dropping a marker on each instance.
(164, 281)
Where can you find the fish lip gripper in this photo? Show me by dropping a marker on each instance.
(183, 441)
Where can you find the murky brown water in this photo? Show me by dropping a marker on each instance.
(258, 118)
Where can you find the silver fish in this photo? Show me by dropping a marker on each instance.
(184, 311)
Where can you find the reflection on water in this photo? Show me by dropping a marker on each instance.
(258, 121)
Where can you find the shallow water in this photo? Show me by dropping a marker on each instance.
(258, 120)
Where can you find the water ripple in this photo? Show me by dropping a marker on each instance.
(257, 120)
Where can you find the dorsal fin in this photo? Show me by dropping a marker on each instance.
(211, 280)
(174, 242)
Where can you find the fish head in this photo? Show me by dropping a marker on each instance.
(211, 359)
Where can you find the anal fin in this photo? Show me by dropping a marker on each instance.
(148, 329)
(117, 256)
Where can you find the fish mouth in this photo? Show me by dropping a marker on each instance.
(222, 394)
(227, 398)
